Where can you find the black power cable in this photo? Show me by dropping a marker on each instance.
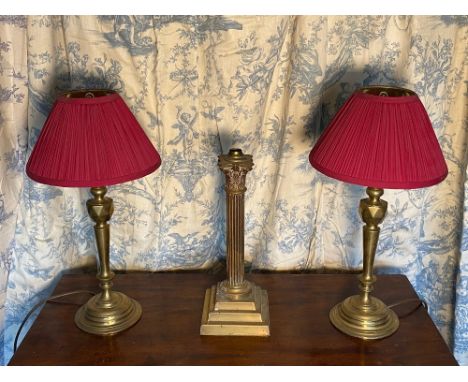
(42, 302)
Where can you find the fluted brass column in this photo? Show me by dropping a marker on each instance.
(108, 312)
(363, 315)
(235, 166)
(235, 306)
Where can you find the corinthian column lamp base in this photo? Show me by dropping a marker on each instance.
(230, 314)
(367, 321)
(235, 306)
(108, 316)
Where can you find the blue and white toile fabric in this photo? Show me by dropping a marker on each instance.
(200, 85)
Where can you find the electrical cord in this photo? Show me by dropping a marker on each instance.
(420, 301)
(42, 302)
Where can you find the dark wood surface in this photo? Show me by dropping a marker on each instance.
(168, 332)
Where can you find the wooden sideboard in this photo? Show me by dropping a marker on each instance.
(168, 332)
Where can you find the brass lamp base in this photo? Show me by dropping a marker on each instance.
(373, 320)
(231, 314)
(109, 316)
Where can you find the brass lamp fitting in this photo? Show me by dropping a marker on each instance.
(235, 306)
(363, 315)
(108, 312)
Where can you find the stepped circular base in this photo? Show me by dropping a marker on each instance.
(106, 318)
(371, 321)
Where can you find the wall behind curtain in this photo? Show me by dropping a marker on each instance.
(201, 85)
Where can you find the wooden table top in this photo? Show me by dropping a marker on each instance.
(168, 332)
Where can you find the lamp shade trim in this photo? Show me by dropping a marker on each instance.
(387, 99)
(87, 183)
(377, 183)
(110, 97)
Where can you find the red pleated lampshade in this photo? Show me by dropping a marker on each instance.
(91, 142)
(383, 138)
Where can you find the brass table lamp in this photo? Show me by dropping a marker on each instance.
(91, 139)
(235, 306)
(381, 138)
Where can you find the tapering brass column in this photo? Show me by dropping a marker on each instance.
(363, 315)
(108, 312)
(235, 306)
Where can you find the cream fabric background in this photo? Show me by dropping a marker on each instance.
(200, 85)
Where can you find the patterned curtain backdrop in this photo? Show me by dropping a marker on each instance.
(200, 85)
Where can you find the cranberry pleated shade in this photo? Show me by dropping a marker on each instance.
(381, 141)
(91, 142)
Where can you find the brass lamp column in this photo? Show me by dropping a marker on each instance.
(108, 312)
(235, 306)
(363, 315)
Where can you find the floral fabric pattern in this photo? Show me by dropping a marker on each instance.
(200, 85)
